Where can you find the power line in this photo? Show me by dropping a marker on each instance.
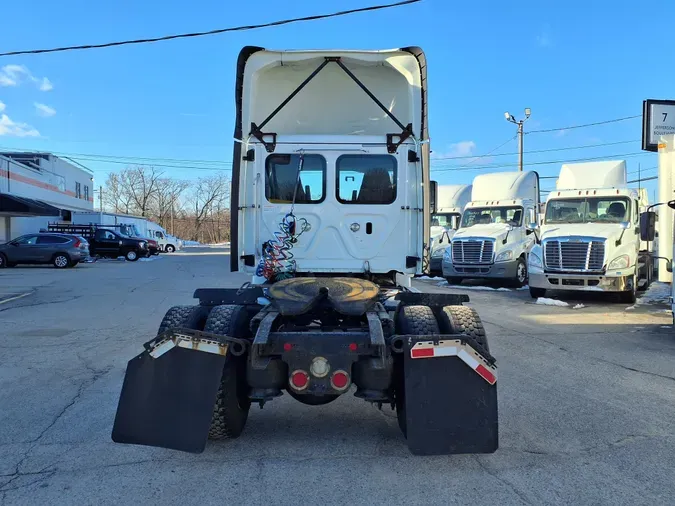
(537, 150)
(583, 126)
(498, 166)
(212, 32)
(192, 167)
(643, 179)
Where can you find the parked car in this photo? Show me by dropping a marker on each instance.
(60, 250)
(105, 242)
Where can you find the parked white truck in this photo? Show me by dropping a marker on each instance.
(451, 200)
(497, 230)
(590, 239)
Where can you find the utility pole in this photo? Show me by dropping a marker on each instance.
(100, 198)
(509, 117)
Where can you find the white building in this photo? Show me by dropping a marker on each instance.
(36, 188)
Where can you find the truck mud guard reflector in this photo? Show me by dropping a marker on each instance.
(449, 408)
(455, 348)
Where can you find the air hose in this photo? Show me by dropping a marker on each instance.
(277, 261)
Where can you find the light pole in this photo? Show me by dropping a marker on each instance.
(509, 117)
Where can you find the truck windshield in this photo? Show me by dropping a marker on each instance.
(447, 220)
(588, 210)
(484, 215)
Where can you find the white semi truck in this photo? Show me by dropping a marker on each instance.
(451, 200)
(330, 207)
(590, 240)
(497, 230)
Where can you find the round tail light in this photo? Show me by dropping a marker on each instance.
(340, 380)
(299, 380)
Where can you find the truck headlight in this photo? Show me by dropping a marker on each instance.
(438, 253)
(446, 254)
(620, 262)
(504, 256)
(534, 260)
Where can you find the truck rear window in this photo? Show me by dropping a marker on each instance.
(366, 179)
(282, 182)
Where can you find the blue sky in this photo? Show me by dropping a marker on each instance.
(572, 62)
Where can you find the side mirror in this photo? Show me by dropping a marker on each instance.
(433, 192)
(531, 226)
(14, 243)
(647, 226)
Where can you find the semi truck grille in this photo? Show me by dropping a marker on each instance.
(583, 255)
(472, 251)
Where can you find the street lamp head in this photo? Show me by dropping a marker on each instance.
(507, 115)
(528, 111)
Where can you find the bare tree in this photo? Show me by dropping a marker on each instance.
(166, 200)
(115, 198)
(209, 194)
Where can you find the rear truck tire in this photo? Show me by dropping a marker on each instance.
(454, 281)
(464, 320)
(3, 261)
(61, 261)
(535, 293)
(521, 273)
(232, 404)
(131, 255)
(169, 248)
(411, 320)
(187, 317)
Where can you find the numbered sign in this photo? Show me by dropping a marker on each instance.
(658, 118)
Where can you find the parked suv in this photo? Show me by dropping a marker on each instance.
(60, 250)
(107, 243)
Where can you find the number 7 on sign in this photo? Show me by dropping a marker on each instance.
(665, 115)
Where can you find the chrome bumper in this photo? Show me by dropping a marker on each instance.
(580, 282)
(499, 270)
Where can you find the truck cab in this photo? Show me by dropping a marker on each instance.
(450, 203)
(343, 178)
(590, 237)
(497, 230)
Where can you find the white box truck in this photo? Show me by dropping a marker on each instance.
(451, 200)
(589, 240)
(497, 230)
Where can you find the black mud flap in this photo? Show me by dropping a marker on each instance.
(450, 408)
(168, 401)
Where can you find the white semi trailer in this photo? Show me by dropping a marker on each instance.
(497, 229)
(590, 237)
(451, 200)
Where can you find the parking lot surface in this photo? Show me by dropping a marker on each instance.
(586, 398)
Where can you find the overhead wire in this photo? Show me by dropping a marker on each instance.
(211, 32)
(583, 126)
(489, 152)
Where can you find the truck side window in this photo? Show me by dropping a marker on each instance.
(281, 179)
(366, 179)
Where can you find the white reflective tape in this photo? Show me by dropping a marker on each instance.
(468, 359)
(445, 351)
(162, 348)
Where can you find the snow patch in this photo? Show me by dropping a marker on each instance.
(427, 278)
(578, 306)
(630, 308)
(543, 301)
(657, 293)
(149, 259)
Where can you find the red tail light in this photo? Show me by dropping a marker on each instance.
(77, 243)
(299, 380)
(340, 380)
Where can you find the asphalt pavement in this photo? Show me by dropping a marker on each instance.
(586, 398)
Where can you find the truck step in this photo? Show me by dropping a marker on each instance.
(642, 283)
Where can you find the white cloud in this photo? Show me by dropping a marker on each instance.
(2, 106)
(458, 149)
(14, 75)
(13, 129)
(46, 85)
(44, 110)
(561, 133)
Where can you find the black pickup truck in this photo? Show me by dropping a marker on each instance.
(106, 243)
